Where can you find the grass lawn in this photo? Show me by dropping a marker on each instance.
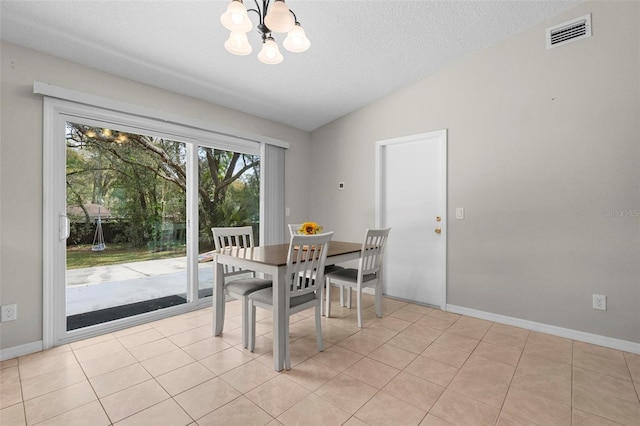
(81, 256)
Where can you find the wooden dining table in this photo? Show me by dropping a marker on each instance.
(270, 260)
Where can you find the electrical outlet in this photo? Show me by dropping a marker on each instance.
(9, 312)
(600, 302)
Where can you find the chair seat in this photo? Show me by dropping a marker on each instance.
(332, 268)
(265, 296)
(246, 286)
(350, 274)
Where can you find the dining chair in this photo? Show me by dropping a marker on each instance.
(368, 273)
(234, 284)
(293, 230)
(303, 286)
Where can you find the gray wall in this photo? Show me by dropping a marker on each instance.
(544, 147)
(21, 166)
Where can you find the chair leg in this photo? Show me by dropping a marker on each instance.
(341, 289)
(359, 306)
(224, 303)
(327, 312)
(287, 346)
(245, 321)
(251, 320)
(378, 290)
(322, 297)
(319, 327)
(348, 290)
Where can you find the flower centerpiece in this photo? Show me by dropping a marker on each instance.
(309, 228)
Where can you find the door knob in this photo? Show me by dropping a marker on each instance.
(438, 219)
(438, 230)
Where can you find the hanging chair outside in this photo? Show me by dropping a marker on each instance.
(98, 237)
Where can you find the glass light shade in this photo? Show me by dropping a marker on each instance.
(236, 18)
(278, 18)
(238, 44)
(270, 53)
(296, 40)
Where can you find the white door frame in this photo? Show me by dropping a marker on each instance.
(441, 136)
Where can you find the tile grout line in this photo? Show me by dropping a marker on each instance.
(303, 335)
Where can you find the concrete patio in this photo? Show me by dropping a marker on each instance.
(100, 287)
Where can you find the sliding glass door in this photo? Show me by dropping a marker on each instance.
(129, 203)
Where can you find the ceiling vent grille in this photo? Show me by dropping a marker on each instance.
(567, 32)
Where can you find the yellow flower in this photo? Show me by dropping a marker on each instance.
(310, 228)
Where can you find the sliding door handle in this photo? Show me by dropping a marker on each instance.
(64, 227)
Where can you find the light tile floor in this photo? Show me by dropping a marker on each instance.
(414, 366)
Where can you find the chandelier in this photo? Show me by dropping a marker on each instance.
(274, 18)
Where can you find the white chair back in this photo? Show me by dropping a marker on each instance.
(373, 247)
(305, 264)
(236, 236)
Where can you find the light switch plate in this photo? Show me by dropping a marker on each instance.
(459, 213)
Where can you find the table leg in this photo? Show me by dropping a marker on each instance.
(218, 298)
(279, 335)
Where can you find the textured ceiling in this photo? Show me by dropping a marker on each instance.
(360, 50)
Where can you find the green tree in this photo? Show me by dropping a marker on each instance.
(227, 182)
(143, 179)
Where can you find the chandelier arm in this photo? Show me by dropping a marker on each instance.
(256, 11)
(259, 11)
(265, 32)
(262, 28)
(263, 11)
(295, 18)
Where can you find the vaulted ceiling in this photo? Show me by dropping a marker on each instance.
(360, 50)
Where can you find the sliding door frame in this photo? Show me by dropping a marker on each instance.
(82, 108)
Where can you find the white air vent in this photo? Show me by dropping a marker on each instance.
(567, 32)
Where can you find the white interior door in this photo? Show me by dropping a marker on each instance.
(411, 189)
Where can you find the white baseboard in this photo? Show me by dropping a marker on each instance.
(17, 351)
(581, 336)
